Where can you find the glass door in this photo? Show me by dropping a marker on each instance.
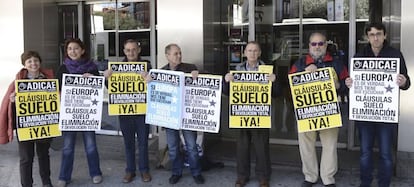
(287, 47)
(68, 25)
(111, 23)
(292, 23)
(104, 26)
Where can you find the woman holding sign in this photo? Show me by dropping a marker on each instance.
(77, 62)
(31, 61)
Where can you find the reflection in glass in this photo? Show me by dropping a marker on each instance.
(132, 16)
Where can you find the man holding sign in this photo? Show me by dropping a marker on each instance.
(253, 130)
(319, 58)
(173, 55)
(369, 130)
(134, 124)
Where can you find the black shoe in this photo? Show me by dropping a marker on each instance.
(199, 179)
(174, 179)
(331, 185)
(308, 184)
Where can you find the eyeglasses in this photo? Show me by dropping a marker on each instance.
(377, 34)
(317, 43)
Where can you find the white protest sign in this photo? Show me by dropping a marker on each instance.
(81, 103)
(374, 95)
(202, 103)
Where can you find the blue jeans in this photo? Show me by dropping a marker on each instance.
(131, 126)
(383, 132)
(69, 141)
(177, 158)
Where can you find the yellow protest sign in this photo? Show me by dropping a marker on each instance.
(127, 89)
(315, 100)
(250, 100)
(37, 109)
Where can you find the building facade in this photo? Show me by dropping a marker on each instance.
(212, 34)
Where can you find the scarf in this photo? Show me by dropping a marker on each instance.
(80, 66)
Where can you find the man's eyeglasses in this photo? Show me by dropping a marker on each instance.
(377, 34)
(317, 44)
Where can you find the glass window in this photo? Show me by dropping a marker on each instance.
(362, 11)
(132, 16)
(286, 11)
(133, 23)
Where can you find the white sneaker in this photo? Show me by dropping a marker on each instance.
(150, 136)
(97, 179)
(61, 183)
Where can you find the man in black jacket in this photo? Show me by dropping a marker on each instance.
(368, 131)
(134, 125)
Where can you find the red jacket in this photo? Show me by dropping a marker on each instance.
(6, 112)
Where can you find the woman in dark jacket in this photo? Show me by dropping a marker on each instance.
(77, 62)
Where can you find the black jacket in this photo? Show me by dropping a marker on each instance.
(184, 67)
(388, 52)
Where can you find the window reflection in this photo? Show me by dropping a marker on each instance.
(132, 16)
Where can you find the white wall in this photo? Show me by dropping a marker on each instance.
(11, 37)
(406, 128)
(181, 22)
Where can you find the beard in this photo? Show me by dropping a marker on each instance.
(318, 55)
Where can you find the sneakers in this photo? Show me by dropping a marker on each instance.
(97, 179)
(174, 179)
(199, 179)
(61, 183)
(129, 177)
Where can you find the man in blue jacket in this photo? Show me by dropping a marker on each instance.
(368, 131)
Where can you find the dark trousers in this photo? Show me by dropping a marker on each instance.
(134, 130)
(26, 153)
(383, 133)
(260, 140)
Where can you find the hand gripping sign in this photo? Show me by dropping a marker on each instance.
(315, 100)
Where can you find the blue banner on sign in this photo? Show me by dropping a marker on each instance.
(165, 98)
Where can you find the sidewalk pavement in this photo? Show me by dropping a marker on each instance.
(111, 152)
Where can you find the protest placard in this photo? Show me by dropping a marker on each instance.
(37, 109)
(165, 98)
(250, 99)
(81, 103)
(315, 100)
(374, 95)
(127, 89)
(202, 103)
